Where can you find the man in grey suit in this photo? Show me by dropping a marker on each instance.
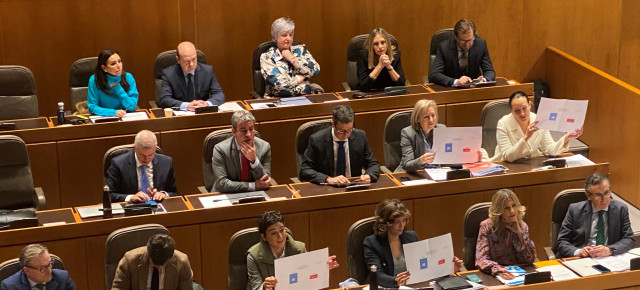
(243, 161)
(597, 227)
(189, 84)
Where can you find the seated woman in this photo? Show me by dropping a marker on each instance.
(384, 248)
(416, 140)
(379, 64)
(503, 238)
(286, 68)
(518, 137)
(110, 94)
(275, 243)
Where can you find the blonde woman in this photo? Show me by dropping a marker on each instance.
(379, 64)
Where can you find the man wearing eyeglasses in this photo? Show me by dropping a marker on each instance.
(36, 272)
(339, 152)
(597, 227)
(462, 59)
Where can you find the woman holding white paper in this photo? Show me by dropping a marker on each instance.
(518, 137)
(275, 243)
(384, 248)
(503, 238)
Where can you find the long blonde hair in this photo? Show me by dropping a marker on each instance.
(497, 208)
(368, 45)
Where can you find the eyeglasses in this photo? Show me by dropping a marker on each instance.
(344, 131)
(42, 269)
(600, 195)
(465, 41)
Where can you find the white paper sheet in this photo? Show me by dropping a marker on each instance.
(584, 266)
(94, 211)
(417, 182)
(303, 271)
(134, 116)
(635, 251)
(183, 113)
(561, 115)
(229, 106)
(218, 200)
(456, 144)
(429, 259)
(438, 174)
(616, 263)
(558, 272)
(262, 105)
(293, 101)
(576, 160)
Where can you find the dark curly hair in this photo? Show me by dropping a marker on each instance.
(386, 213)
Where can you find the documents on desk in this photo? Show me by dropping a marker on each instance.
(293, 101)
(456, 144)
(584, 266)
(220, 200)
(561, 115)
(518, 272)
(438, 174)
(229, 106)
(558, 272)
(417, 181)
(576, 160)
(185, 113)
(134, 116)
(485, 168)
(429, 259)
(617, 263)
(94, 211)
(307, 271)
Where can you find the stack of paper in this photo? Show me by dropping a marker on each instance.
(584, 267)
(516, 271)
(229, 106)
(558, 272)
(133, 116)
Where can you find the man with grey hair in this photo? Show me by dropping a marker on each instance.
(142, 174)
(597, 227)
(339, 152)
(37, 272)
(243, 161)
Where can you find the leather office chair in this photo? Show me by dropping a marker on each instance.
(116, 151)
(123, 240)
(17, 190)
(18, 98)
(353, 53)
(10, 267)
(239, 244)
(163, 60)
(391, 143)
(302, 140)
(358, 231)
(472, 219)
(437, 38)
(491, 114)
(81, 71)
(559, 208)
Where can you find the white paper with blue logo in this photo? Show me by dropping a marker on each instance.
(303, 271)
(561, 115)
(456, 144)
(429, 259)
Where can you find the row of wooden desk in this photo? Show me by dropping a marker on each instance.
(319, 216)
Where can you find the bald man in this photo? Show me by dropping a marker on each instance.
(189, 84)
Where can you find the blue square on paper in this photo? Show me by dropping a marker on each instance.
(423, 263)
(293, 278)
(553, 116)
(448, 147)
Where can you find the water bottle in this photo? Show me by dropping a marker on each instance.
(373, 278)
(61, 114)
(106, 202)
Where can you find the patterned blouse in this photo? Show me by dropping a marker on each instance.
(495, 250)
(280, 75)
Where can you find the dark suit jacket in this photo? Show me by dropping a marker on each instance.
(227, 170)
(60, 280)
(122, 177)
(133, 270)
(378, 252)
(365, 82)
(576, 229)
(174, 86)
(318, 158)
(445, 67)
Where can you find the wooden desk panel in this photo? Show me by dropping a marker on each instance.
(43, 158)
(412, 89)
(56, 215)
(309, 189)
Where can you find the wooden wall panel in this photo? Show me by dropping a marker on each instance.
(44, 169)
(629, 43)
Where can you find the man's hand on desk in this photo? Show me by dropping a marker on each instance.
(196, 103)
(142, 197)
(365, 178)
(597, 251)
(463, 80)
(337, 179)
(264, 182)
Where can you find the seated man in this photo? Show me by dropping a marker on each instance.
(462, 59)
(243, 161)
(339, 152)
(141, 175)
(597, 227)
(36, 272)
(189, 84)
(169, 268)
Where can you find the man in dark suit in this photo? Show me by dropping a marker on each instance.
(597, 227)
(334, 154)
(189, 84)
(36, 272)
(462, 59)
(141, 175)
(166, 265)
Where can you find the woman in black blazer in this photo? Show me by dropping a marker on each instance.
(379, 64)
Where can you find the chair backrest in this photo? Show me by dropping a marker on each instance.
(123, 240)
(259, 83)
(472, 219)
(391, 139)
(438, 37)
(116, 151)
(10, 267)
(302, 137)
(165, 59)
(355, 249)
(209, 143)
(353, 53)
(491, 114)
(559, 209)
(81, 71)
(16, 182)
(239, 244)
(18, 98)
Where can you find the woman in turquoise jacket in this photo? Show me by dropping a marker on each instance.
(111, 94)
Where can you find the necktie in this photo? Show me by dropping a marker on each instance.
(341, 164)
(600, 229)
(144, 179)
(244, 173)
(40, 286)
(190, 88)
(464, 60)
(155, 279)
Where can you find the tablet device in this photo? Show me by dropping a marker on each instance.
(207, 109)
(395, 91)
(537, 277)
